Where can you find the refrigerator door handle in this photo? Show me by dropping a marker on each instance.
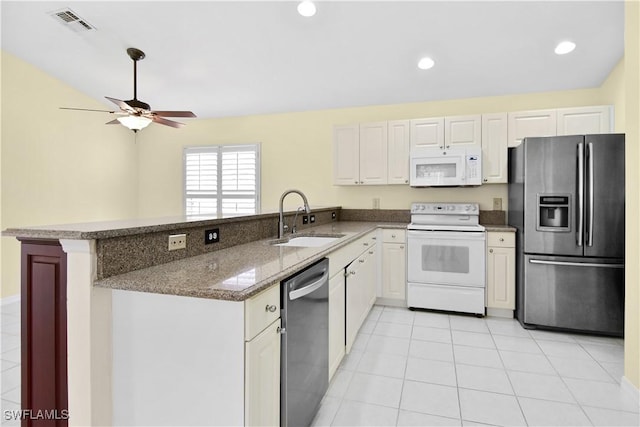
(580, 203)
(590, 194)
(575, 264)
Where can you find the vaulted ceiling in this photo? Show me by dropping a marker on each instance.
(230, 58)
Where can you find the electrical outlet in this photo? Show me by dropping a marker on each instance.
(177, 241)
(312, 219)
(333, 215)
(497, 203)
(305, 219)
(211, 236)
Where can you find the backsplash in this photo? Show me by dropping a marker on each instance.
(119, 255)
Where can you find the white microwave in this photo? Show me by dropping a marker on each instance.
(434, 167)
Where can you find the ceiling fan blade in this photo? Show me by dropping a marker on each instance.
(86, 109)
(123, 105)
(166, 122)
(173, 113)
(113, 122)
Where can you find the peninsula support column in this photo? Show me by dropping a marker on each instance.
(88, 338)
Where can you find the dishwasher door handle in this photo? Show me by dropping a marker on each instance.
(299, 293)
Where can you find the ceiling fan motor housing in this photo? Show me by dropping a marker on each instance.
(138, 105)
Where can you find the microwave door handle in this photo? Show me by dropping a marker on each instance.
(580, 203)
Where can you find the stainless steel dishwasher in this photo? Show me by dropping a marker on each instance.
(304, 371)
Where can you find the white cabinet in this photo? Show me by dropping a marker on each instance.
(394, 261)
(373, 153)
(427, 132)
(360, 290)
(585, 120)
(262, 378)
(220, 359)
(462, 131)
(501, 288)
(523, 124)
(399, 137)
(360, 154)
(336, 321)
(346, 155)
(494, 148)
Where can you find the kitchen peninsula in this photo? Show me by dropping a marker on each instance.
(81, 282)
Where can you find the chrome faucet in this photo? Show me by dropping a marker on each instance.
(281, 226)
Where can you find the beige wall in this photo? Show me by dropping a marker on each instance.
(632, 130)
(58, 166)
(297, 152)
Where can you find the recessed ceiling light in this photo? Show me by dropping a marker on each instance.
(564, 47)
(426, 63)
(306, 8)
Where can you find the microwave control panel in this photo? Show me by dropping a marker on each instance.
(474, 167)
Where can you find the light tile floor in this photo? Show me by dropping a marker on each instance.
(431, 369)
(10, 361)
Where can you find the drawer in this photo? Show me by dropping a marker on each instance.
(342, 257)
(260, 311)
(394, 235)
(500, 239)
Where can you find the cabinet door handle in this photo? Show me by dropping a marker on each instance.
(361, 260)
(370, 252)
(393, 236)
(366, 244)
(270, 308)
(406, 181)
(281, 330)
(491, 251)
(501, 239)
(356, 182)
(361, 182)
(401, 246)
(374, 238)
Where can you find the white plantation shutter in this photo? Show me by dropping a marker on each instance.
(222, 180)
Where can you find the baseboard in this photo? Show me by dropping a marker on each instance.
(10, 300)
(500, 312)
(630, 388)
(391, 302)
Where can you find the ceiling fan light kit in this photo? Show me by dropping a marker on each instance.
(137, 114)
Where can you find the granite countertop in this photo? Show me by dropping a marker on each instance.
(238, 272)
(494, 227)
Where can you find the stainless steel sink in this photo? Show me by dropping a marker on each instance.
(308, 241)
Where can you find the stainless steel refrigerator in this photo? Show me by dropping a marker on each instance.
(566, 200)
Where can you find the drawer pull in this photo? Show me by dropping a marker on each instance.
(393, 236)
(502, 239)
(374, 238)
(366, 244)
(271, 308)
(370, 252)
(490, 251)
(361, 260)
(401, 246)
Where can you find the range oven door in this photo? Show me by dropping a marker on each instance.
(446, 257)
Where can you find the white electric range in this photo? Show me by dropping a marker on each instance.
(446, 258)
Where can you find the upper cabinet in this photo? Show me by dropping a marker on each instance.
(563, 121)
(378, 153)
(462, 131)
(523, 124)
(427, 132)
(398, 152)
(585, 120)
(494, 148)
(360, 154)
(346, 155)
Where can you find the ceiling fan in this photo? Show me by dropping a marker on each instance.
(134, 113)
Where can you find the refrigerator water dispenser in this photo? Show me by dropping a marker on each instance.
(553, 212)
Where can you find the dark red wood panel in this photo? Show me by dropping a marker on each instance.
(44, 334)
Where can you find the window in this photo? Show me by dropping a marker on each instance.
(222, 180)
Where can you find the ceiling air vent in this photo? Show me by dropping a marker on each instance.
(71, 20)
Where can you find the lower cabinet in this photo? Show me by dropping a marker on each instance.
(262, 378)
(336, 321)
(394, 264)
(196, 361)
(501, 287)
(360, 292)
